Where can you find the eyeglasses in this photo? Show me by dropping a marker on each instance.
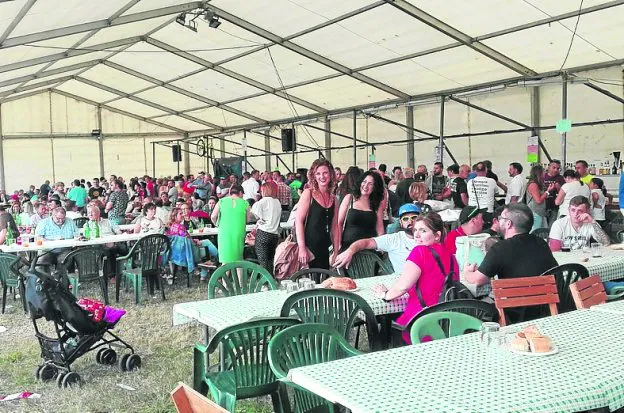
(409, 218)
(508, 219)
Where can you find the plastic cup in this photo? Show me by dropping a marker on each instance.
(284, 284)
(302, 282)
(309, 285)
(292, 288)
(596, 249)
(39, 240)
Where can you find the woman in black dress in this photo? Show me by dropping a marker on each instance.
(317, 216)
(361, 213)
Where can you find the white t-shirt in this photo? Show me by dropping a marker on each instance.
(563, 231)
(269, 211)
(398, 246)
(153, 225)
(517, 188)
(571, 190)
(486, 189)
(598, 213)
(251, 188)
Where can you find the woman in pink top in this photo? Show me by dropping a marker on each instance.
(421, 271)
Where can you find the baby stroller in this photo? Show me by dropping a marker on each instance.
(77, 332)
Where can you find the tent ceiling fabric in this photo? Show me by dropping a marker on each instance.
(276, 60)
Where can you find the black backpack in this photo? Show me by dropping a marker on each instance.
(451, 289)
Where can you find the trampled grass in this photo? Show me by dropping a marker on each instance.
(166, 353)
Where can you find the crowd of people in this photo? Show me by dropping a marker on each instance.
(337, 215)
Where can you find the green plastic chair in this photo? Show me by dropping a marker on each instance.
(240, 277)
(341, 310)
(8, 278)
(88, 264)
(443, 324)
(248, 374)
(305, 345)
(147, 254)
(365, 264)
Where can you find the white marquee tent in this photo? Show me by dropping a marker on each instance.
(141, 71)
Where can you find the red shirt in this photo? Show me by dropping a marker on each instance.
(449, 241)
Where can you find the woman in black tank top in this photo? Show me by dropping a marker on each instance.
(316, 222)
(361, 214)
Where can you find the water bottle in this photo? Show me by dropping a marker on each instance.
(10, 237)
(18, 220)
(96, 233)
(87, 230)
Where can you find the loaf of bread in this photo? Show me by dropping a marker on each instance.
(339, 283)
(519, 344)
(540, 344)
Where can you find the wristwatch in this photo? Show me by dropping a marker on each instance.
(384, 297)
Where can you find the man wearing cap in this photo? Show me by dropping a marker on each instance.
(470, 223)
(397, 245)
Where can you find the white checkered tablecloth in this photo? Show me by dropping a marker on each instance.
(461, 374)
(615, 307)
(220, 313)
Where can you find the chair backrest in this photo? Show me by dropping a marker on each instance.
(443, 324)
(305, 345)
(187, 400)
(475, 308)
(365, 264)
(244, 347)
(565, 275)
(524, 292)
(240, 277)
(588, 291)
(542, 233)
(148, 251)
(317, 274)
(88, 262)
(80, 221)
(338, 309)
(6, 266)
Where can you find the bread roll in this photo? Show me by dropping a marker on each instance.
(339, 283)
(540, 344)
(519, 344)
(531, 331)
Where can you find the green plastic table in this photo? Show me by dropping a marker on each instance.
(462, 375)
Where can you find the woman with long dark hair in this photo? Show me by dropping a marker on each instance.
(348, 184)
(361, 213)
(537, 192)
(317, 216)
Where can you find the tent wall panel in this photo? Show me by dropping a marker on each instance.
(76, 159)
(72, 116)
(19, 157)
(27, 115)
(125, 157)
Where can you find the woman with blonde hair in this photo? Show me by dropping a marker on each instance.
(317, 216)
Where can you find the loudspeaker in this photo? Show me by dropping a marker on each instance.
(288, 140)
(176, 153)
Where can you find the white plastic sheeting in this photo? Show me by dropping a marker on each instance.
(278, 60)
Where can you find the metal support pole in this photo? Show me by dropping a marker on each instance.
(536, 119)
(187, 158)
(2, 176)
(564, 115)
(441, 141)
(354, 138)
(328, 139)
(267, 147)
(178, 162)
(409, 117)
(222, 147)
(51, 138)
(100, 140)
(153, 160)
(245, 149)
(207, 154)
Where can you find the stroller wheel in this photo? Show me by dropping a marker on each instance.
(122, 362)
(38, 372)
(47, 372)
(108, 357)
(59, 379)
(98, 355)
(133, 362)
(72, 379)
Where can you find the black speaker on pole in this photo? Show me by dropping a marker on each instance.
(288, 140)
(176, 153)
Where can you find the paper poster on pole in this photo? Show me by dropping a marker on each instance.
(436, 154)
(371, 161)
(533, 149)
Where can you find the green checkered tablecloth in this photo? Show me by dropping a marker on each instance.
(462, 375)
(608, 267)
(220, 313)
(615, 307)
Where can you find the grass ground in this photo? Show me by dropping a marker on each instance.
(166, 352)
